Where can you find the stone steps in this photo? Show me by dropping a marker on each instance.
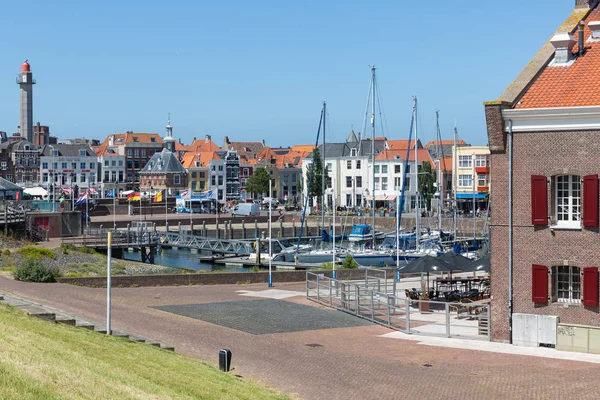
(53, 315)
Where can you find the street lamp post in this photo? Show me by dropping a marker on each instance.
(53, 175)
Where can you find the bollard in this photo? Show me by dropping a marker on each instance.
(179, 227)
(243, 230)
(217, 233)
(204, 233)
(281, 232)
(224, 360)
(255, 228)
(294, 228)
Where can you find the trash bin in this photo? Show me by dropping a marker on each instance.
(224, 360)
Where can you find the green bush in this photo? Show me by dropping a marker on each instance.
(36, 252)
(87, 250)
(32, 270)
(65, 247)
(6, 252)
(349, 262)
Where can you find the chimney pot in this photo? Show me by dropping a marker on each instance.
(207, 138)
(563, 46)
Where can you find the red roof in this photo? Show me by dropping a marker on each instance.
(574, 85)
(400, 144)
(450, 142)
(401, 155)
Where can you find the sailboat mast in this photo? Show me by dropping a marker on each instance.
(418, 212)
(323, 177)
(454, 180)
(373, 147)
(439, 173)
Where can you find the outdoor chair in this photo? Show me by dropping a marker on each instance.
(462, 309)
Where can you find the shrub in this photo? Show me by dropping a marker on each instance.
(36, 252)
(33, 270)
(65, 247)
(86, 250)
(6, 252)
(349, 262)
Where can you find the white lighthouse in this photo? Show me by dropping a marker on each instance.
(26, 82)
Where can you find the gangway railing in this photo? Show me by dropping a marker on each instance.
(387, 308)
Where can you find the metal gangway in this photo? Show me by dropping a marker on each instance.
(148, 237)
(377, 299)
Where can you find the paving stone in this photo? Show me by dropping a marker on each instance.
(167, 347)
(65, 319)
(260, 317)
(84, 324)
(39, 312)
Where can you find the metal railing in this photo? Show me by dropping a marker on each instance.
(376, 300)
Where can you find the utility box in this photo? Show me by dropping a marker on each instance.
(533, 330)
(224, 360)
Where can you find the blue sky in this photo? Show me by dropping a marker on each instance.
(261, 69)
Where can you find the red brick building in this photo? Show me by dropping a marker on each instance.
(544, 136)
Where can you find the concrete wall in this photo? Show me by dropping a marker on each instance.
(209, 278)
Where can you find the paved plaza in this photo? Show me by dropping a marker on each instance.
(309, 359)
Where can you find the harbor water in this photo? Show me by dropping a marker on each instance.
(184, 258)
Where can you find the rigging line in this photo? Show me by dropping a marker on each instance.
(382, 116)
(364, 127)
(312, 170)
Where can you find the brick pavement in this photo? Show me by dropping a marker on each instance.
(341, 363)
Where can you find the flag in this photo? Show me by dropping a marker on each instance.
(134, 196)
(111, 194)
(210, 194)
(158, 197)
(82, 199)
(186, 194)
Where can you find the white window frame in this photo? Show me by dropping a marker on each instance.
(353, 152)
(358, 164)
(481, 180)
(570, 277)
(465, 180)
(348, 164)
(567, 212)
(176, 180)
(465, 162)
(384, 183)
(481, 161)
(384, 169)
(376, 183)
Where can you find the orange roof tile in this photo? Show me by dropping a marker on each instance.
(400, 144)
(388, 154)
(201, 145)
(204, 157)
(568, 86)
(443, 142)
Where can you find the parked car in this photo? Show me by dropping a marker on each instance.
(246, 210)
(266, 200)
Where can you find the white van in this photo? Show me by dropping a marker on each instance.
(246, 210)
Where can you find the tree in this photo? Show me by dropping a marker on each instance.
(427, 178)
(316, 187)
(258, 183)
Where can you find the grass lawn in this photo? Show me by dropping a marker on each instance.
(41, 360)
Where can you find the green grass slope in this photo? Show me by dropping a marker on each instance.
(41, 360)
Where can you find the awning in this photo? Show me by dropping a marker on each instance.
(470, 195)
(380, 197)
(127, 193)
(36, 191)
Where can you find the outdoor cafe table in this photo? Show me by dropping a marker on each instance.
(461, 284)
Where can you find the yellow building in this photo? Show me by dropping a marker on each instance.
(471, 176)
(197, 166)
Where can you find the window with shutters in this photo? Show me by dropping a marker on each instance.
(567, 201)
(566, 284)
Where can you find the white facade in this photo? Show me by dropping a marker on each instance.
(113, 173)
(351, 179)
(216, 179)
(69, 171)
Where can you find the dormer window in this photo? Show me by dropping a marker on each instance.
(353, 152)
(135, 139)
(152, 139)
(55, 153)
(82, 153)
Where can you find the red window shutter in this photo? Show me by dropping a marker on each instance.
(539, 283)
(590, 287)
(539, 200)
(590, 200)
